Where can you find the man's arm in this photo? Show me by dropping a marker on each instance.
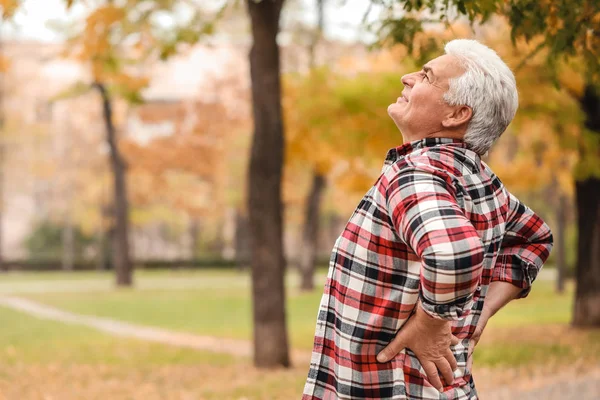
(426, 216)
(525, 248)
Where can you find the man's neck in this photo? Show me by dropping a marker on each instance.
(441, 134)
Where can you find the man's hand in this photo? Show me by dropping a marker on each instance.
(473, 342)
(498, 295)
(430, 340)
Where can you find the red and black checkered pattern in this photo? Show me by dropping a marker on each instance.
(437, 225)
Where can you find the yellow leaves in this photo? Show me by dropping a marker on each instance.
(104, 17)
(8, 7)
(4, 64)
(358, 178)
(553, 21)
(572, 81)
(589, 146)
(96, 45)
(96, 36)
(530, 156)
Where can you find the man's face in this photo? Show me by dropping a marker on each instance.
(421, 108)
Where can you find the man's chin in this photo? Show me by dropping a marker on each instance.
(394, 112)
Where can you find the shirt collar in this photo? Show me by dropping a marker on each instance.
(407, 148)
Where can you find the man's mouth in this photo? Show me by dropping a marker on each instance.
(402, 99)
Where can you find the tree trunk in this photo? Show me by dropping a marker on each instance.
(561, 227)
(264, 197)
(68, 244)
(242, 240)
(120, 248)
(587, 294)
(2, 144)
(310, 235)
(317, 34)
(194, 232)
(3, 267)
(103, 239)
(100, 260)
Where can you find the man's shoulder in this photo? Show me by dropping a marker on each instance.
(420, 161)
(452, 161)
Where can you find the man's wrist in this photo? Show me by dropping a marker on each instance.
(427, 319)
(499, 294)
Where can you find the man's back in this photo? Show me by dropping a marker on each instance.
(438, 226)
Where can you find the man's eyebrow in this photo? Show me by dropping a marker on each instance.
(428, 70)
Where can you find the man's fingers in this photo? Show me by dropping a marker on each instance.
(391, 349)
(470, 355)
(433, 375)
(471, 346)
(447, 371)
(451, 359)
(455, 340)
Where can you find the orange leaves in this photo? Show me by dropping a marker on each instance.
(174, 171)
(95, 41)
(184, 153)
(186, 169)
(98, 46)
(4, 64)
(338, 120)
(130, 82)
(8, 8)
(104, 45)
(553, 21)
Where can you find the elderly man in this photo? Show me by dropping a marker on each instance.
(435, 247)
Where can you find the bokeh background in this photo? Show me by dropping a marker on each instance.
(167, 207)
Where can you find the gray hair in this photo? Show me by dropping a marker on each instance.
(488, 86)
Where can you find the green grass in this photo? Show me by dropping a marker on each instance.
(46, 359)
(211, 302)
(542, 306)
(216, 312)
(31, 340)
(73, 362)
(510, 354)
(219, 304)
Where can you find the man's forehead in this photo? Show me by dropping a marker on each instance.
(445, 66)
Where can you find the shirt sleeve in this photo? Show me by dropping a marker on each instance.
(426, 216)
(525, 247)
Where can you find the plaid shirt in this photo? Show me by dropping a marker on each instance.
(437, 225)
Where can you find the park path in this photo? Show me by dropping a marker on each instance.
(563, 386)
(241, 348)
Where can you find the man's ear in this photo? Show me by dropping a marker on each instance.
(460, 116)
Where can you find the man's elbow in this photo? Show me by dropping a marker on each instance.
(451, 280)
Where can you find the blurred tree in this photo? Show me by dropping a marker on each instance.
(7, 9)
(2, 144)
(564, 31)
(332, 120)
(264, 191)
(310, 232)
(45, 242)
(185, 172)
(114, 42)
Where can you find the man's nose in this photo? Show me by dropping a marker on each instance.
(408, 79)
